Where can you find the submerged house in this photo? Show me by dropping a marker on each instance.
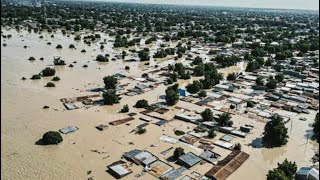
(119, 169)
(227, 166)
(189, 160)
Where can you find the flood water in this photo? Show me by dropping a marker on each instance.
(23, 121)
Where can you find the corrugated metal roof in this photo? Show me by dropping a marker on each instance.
(189, 159)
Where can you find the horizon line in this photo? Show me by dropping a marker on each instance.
(198, 5)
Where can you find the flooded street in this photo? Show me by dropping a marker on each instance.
(24, 121)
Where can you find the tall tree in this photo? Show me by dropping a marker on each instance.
(275, 132)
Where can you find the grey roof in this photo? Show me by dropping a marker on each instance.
(141, 86)
(173, 174)
(304, 171)
(210, 156)
(131, 154)
(146, 157)
(68, 129)
(189, 159)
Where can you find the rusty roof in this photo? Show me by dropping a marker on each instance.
(228, 165)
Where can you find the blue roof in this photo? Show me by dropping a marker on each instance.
(304, 171)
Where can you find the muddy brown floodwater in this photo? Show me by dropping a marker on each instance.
(23, 121)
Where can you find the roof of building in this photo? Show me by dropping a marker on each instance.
(189, 159)
(131, 154)
(174, 174)
(210, 156)
(68, 129)
(223, 144)
(227, 138)
(228, 165)
(145, 157)
(158, 168)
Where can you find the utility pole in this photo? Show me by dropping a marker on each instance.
(306, 142)
(291, 125)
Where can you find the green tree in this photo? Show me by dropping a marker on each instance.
(179, 151)
(259, 81)
(48, 72)
(124, 109)
(110, 82)
(272, 84)
(101, 58)
(224, 119)
(202, 93)
(289, 168)
(52, 137)
(194, 87)
(237, 147)
(279, 77)
(276, 174)
(231, 76)
(141, 130)
(250, 104)
(212, 133)
(110, 97)
(142, 103)
(275, 132)
(172, 97)
(284, 171)
(207, 115)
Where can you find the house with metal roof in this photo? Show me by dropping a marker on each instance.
(189, 160)
(159, 168)
(210, 156)
(119, 169)
(145, 157)
(173, 174)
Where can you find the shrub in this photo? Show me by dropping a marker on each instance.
(231, 77)
(36, 76)
(48, 71)
(71, 46)
(179, 151)
(56, 78)
(31, 58)
(70, 65)
(50, 84)
(85, 66)
(126, 67)
(83, 50)
(102, 46)
(250, 104)
(200, 129)
(59, 46)
(202, 93)
(77, 38)
(212, 133)
(179, 133)
(232, 106)
(142, 103)
(237, 147)
(52, 137)
(101, 58)
(141, 130)
(125, 109)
